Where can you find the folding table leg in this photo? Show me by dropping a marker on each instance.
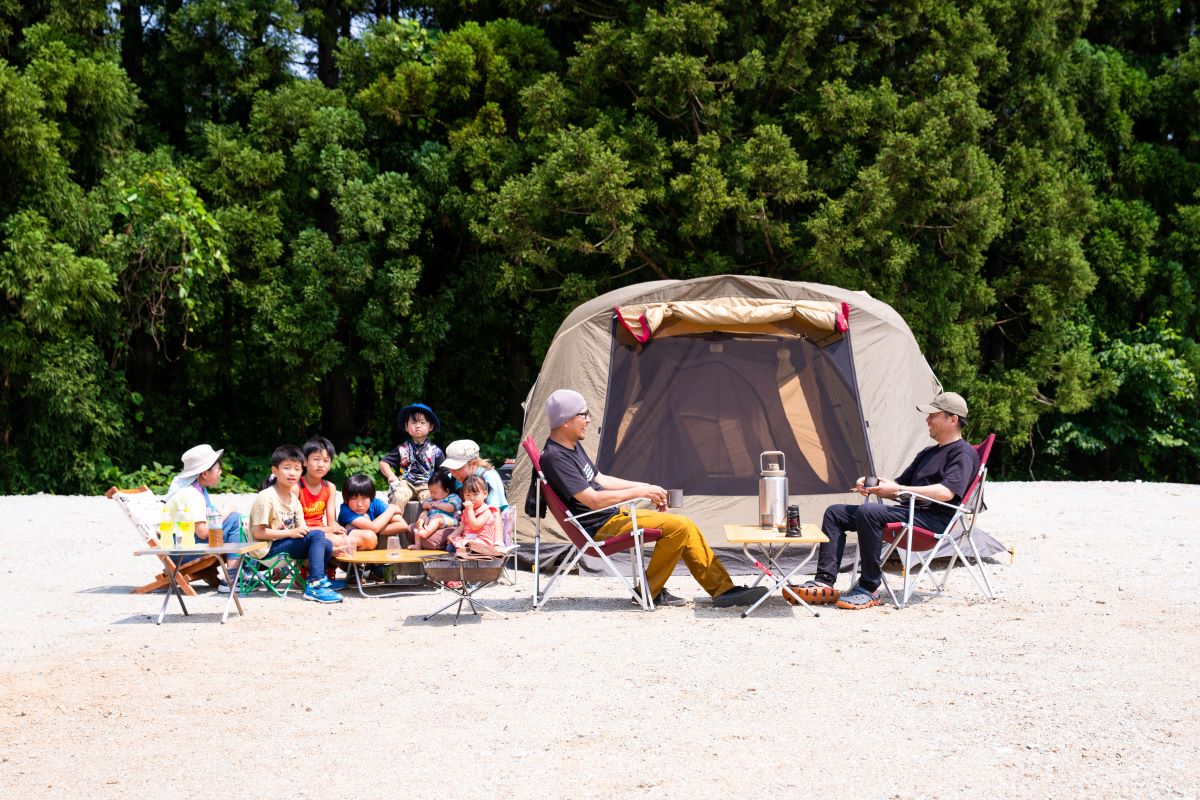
(233, 589)
(766, 573)
(172, 589)
(786, 580)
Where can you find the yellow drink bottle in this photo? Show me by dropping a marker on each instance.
(166, 528)
(187, 530)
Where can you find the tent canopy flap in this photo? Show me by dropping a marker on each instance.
(811, 318)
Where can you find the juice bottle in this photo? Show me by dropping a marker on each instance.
(186, 525)
(187, 532)
(166, 527)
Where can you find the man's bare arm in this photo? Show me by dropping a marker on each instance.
(610, 482)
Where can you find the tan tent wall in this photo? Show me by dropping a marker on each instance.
(892, 375)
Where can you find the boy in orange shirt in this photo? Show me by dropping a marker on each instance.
(318, 497)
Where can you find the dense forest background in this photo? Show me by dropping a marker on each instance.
(246, 221)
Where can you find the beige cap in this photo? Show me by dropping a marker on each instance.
(459, 453)
(950, 402)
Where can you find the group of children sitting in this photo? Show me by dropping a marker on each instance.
(297, 512)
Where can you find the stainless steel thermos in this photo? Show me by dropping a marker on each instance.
(772, 490)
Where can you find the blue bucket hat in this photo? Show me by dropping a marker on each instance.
(402, 417)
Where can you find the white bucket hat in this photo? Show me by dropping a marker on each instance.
(199, 459)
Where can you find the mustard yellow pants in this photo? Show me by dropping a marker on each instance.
(680, 539)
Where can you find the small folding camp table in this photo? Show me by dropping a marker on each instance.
(177, 553)
(772, 545)
(358, 560)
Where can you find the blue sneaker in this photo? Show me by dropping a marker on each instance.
(336, 585)
(321, 593)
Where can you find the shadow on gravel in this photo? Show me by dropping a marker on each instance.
(109, 590)
(177, 618)
(506, 607)
(773, 608)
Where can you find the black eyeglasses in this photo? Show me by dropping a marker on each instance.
(585, 414)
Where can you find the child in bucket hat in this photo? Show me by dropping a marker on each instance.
(409, 465)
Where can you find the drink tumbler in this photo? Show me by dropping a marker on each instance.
(793, 520)
(216, 536)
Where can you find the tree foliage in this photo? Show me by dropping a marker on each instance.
(247, 221)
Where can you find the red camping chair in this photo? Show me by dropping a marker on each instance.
(913, 540)
(584, 543)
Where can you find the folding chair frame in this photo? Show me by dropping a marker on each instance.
(961, 526)
(583, 542)
(256, 574)
(508, 546)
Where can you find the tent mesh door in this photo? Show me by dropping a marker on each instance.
(694, 412)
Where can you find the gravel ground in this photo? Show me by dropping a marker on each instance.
(1073, 683)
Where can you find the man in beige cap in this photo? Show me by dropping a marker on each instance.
(575, 478)
(942, 472)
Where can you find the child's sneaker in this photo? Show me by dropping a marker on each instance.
(321, 593)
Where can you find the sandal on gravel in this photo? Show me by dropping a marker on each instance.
(814, 593)
(857, 599)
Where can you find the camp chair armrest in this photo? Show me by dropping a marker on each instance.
(621, 505)
(913, 497)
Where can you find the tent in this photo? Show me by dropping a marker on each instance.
(688, 381)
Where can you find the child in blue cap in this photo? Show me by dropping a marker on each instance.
(411, 463)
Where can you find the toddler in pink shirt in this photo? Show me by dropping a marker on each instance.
(480, 522)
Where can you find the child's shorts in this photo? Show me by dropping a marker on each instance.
(407, 491)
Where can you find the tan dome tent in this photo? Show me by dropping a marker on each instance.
(689, 381)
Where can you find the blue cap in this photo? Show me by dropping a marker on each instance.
(402, 417)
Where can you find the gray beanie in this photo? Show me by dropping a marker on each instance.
(564, 404)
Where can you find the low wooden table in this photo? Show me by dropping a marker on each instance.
(175, 553)
(356, 561)
(772, 544)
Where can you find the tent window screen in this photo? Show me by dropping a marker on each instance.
(695, 412)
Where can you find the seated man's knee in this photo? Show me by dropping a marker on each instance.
(865, 513)
(675, 526)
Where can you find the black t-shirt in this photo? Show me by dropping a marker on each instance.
(570, 471)
(953, 465)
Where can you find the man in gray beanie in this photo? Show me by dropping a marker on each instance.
(575, 478)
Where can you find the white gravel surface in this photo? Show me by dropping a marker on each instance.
(1077, 682)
